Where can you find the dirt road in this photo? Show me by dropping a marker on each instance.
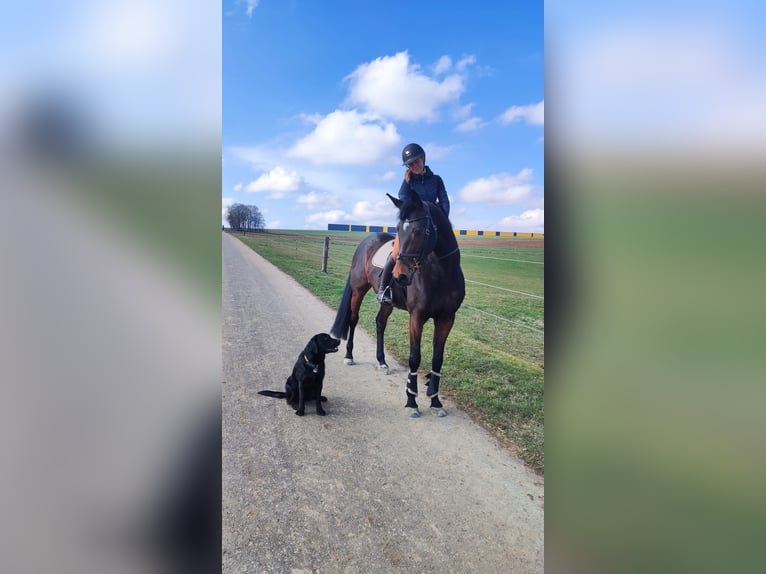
(364, 489)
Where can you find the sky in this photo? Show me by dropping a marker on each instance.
(319, 98)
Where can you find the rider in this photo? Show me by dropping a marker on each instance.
(429, 186)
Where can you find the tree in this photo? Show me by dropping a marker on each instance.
(256, 220)
(245, 218)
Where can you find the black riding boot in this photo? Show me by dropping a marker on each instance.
(385, 282)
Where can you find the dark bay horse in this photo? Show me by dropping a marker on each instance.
(429, 284)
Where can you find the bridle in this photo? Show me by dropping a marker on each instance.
(429, 242)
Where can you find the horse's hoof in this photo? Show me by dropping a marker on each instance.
(349, 361)
(438, 411)
(382, 366)
(413, 413)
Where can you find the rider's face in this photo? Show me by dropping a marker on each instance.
(416, 166)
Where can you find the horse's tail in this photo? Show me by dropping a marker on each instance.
(343, 318)
(275, 394)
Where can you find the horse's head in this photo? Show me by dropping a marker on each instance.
(417, 235)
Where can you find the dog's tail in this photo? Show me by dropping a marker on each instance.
(275, 394)
(343, 318)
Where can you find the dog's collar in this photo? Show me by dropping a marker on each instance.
(310, 364)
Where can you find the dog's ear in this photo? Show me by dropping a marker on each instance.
(313, 346)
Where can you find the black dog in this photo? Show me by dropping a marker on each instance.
(305, 384)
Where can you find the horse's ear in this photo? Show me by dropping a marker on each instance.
(397, 202)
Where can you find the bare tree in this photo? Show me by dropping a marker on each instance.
(235, 216)
(255, 219)
(245, 218)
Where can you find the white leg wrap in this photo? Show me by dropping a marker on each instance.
(410, 380)
(434, 376)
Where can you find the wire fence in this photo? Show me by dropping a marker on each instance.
(504, 303)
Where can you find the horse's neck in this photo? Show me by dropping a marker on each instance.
(447, 244)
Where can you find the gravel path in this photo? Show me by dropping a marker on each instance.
(364, 489)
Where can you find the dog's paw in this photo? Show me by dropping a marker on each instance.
(321, 412)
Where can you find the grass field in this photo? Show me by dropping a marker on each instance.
(494, 358)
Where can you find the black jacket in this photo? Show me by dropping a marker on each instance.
(429, 187)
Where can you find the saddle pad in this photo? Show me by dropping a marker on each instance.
(384, 251)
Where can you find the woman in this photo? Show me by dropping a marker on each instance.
(429, 186)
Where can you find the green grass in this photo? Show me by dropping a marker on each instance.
(494, 358)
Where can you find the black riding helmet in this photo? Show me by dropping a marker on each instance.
(411, 152)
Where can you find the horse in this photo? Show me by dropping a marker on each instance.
(428, 283)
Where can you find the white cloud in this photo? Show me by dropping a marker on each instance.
(377, 213)
(314, 200)
(502, 188)
(463, 112)
(442, 65)
(362, 213)
(324, 217)
(278, 181)
(465, 62)
(468, 123)
(533, 114)
(262, 157)
(251, 5)
(531, 220)
(471, 125)
(436, 151)
(347, 138)
(393, 88)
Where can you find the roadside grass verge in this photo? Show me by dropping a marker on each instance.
(494, 357)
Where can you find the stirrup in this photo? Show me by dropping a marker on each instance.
(384, 299)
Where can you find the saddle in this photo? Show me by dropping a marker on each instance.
(383, 253)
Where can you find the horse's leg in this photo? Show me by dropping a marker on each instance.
(356, 303)
(416, 331)
(381, 320)
(442, 328)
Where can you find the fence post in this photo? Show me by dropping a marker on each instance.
(324, 254)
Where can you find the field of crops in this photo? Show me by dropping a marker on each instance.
(494, 358)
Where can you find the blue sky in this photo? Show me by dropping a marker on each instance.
(319, 98)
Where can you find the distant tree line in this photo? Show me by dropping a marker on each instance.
(245, 218)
